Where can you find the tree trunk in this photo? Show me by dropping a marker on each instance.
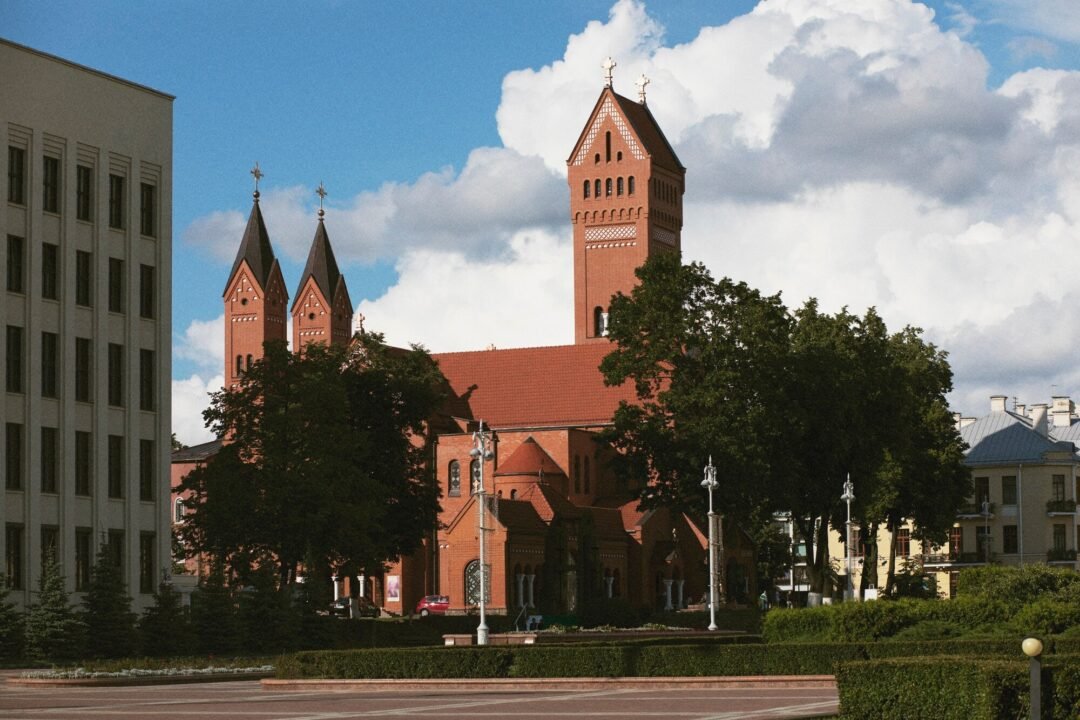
(890, 579)
(869, 575)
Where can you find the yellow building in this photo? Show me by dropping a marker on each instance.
(1024, 504)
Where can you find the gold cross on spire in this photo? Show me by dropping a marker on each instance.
(641, 83)
(608, 66)
(321, 192)
(258, 175)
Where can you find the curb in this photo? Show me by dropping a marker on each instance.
(126, 681)
(548, 684)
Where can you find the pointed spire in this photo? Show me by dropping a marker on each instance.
(321, 264)
(255, 247)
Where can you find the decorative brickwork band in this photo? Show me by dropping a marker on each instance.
(611, 232)
(664, 236)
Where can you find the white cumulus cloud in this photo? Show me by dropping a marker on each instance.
(849, 151)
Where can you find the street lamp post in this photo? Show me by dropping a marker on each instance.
(481, 453)
(709, 483)
(847, 497)
(1033, 648)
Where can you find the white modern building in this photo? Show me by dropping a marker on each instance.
(86, 248)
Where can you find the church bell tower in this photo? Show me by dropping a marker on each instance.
(626, 188)
(255, 297)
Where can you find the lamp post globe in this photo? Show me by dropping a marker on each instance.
(847, 497)
(481, 453)
(710, 484)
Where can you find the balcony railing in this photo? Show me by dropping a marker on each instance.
(1060, 555)
(1060, 506)
(964, 558)
(970, 510)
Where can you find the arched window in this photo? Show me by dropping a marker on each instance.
(239, 364)
(607, 187)
(178, 510)
(577, 474)
(596, 187)
(630, 185)
(587, 184)
(597, 159)
(600, 321)
(472, 583)
(618, 186)
(249, 362)
(607, 146)
(618, 156)
(588, 482)
(513, 493)
(454, 484)
(474, 475)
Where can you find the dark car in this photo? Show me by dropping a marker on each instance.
(432, 604)
(364, 607)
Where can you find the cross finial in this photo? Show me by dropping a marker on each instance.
(321, 192)
(258, 175)
(608, 66)
(641, 83)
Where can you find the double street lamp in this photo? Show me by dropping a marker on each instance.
(710, 484)
(481, 453)
(848, 496)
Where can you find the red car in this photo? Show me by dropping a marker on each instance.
(429, 604)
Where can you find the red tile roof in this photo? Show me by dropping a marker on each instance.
(533, 387)
(528, 459)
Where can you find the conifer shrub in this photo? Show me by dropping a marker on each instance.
(106, 612)
(213, 617)
(164, 629)
(11, 627)
(53, 632)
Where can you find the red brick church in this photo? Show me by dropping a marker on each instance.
(562, 530)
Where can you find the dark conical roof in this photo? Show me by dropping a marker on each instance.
(255, 248)
(321, 266)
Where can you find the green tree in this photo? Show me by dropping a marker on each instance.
(213, 616)
(322, 460)
(709, 363)
(269, 622)
(789, 405)
(110, 623)
(52, 631)
(164, 629)
(11, 626)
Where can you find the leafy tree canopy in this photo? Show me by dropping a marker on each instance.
(324, 459)
(788, 404)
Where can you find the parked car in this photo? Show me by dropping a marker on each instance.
(364, 607)
(432, 604)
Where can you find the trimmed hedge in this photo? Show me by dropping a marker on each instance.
(948, 687)
(862, 621)
(409, 663)
(619, 659)
(941, 688)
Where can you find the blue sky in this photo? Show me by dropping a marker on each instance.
(437, 129)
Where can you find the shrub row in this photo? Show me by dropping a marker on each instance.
(914, 619)
(960, 688)
(619, 659)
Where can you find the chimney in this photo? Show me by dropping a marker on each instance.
(997, 403)
(1020, 410)
(1062, 411)
(965, 421)
(1038, 418)
(956, 420)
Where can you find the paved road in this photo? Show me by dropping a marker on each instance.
(248, 701)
